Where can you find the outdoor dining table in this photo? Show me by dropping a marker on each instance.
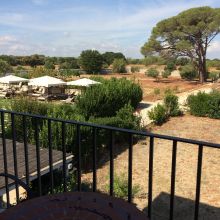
(74, 206)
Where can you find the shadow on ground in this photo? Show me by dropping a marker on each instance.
(144, 105)
(183, 209)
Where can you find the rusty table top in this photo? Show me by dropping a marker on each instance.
(74, 206)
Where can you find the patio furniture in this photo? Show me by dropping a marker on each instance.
(74, 205)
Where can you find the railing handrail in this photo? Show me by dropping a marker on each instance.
(129, 131)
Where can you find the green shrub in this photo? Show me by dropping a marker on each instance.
(188, 72)
(119, 66)
(204, 104)
(106, 99)
(152, 72)
(4, 67)
(121, 187)
(149, 60)
(182, 61)
(26, 106)
(171, 105)
(214, 76)
(171, 65)
(135, 69)
(158, 114)
(166, 73)
(69, 72)
(198, 104)
(214, 105)
(49, 65)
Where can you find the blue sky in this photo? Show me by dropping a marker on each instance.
(66, 27)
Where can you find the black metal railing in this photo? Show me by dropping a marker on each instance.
(78, 156)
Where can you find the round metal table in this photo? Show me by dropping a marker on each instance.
(74, 206)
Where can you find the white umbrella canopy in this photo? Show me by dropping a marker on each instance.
(82, 82)
(12, 79)
(46, 81)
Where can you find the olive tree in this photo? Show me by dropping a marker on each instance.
(188, 34)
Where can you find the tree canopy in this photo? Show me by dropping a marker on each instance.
(91, 61)
(109, 57)
(188, 34)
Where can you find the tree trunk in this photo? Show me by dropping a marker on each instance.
(202, 69)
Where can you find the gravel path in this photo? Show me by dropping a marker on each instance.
(147, 106)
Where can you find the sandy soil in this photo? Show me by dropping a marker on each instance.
(189, 127)
(154, 90)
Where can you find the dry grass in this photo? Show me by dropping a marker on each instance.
(149, 84)
(188, 127)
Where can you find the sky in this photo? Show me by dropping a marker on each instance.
(66, 27)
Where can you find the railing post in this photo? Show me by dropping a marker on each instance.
(36, 134)
(64, 156)
(198, 182)
(24, 121)
(94, 159)
(5, 157)
(15, 155)
(130, 158)
(50, 156)
(173, 178)
(111, 192)
(150, 179)
(78, 133)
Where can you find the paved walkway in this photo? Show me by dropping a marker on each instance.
(147, 106)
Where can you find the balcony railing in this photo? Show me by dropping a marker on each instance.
(78, 156)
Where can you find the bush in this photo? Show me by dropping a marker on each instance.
(106, 99)
(91, 61)
(213, 76)
(214, 105)
(198, 104)
(41, 71)
(188, 72)
(26, 106)
(152, 72)
(153, 60)
(171, 65)
(49, 65)
(121, 187)
(158, 114)
(204, 104)
(135, 69)
(4, 67)
(171, 105)
(69, 72)
(166, 73)
(119, 66)
(124, 118)
(182, 61)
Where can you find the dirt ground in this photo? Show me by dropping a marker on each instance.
(189, 127)
(154, 90)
